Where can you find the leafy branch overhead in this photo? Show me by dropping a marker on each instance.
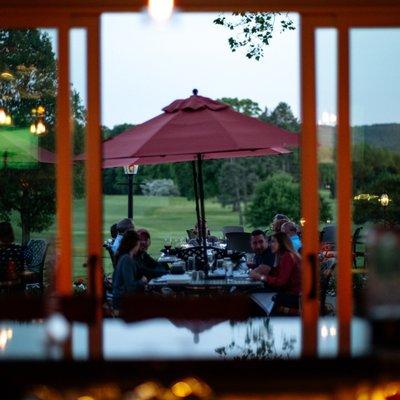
(253, 31)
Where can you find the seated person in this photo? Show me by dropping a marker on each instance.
(122, 227)
(149, 266)
(262, 251)
(285, 277)
(278, 221)
(9, 251)
(127, 276)
(197, 232)
(291, 230)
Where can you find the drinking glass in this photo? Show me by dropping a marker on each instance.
(168, 244)
(250, 260)
(210, 259)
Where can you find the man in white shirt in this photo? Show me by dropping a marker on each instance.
(122, 226)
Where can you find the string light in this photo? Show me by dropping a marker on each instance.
(384, 200)
(38, 127)
(5, 118)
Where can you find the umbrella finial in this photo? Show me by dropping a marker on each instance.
(195, 91)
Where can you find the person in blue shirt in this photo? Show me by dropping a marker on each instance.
(291, 230)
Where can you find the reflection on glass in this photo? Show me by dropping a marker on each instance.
(375, 128)
(28, 83)
(259, 343)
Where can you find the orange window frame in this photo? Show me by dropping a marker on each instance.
(314, 14)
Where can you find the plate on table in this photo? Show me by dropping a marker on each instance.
(168, 259)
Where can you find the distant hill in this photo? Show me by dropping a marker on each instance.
(378, 135)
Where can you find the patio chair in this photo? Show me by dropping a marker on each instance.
(238, 241)
(191, 234)
(328, 234)
(327, 269)
(232, 228)
(38, 249)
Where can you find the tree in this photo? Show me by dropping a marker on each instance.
(245, 106)
(281, 116)
(237, 177)
(279, 194)
(235, 190)
(31, 81)
(253, 31)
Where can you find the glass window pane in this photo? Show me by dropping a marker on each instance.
(375, 117)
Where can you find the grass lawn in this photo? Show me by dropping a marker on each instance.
(162, 216)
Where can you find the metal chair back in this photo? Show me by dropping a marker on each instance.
(239, 241)
(328, 234)
(232, 228)
(327, 269)
(37, 248)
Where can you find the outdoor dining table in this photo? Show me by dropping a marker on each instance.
(185, 280)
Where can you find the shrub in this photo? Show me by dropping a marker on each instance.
(160, 187)
(280, 194)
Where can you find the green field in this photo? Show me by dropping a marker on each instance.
(162, 216)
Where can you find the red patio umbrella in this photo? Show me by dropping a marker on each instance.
(198, 125)
(196, 129)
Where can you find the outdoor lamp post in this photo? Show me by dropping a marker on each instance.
(130, 170)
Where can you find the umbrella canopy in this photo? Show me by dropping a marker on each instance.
(193, 126)
(121, 162)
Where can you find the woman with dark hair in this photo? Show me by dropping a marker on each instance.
(285, 277)
(12, 256)
(127, 276)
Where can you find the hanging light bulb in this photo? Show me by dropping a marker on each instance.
(40, 128)
(161, 10)
(5, 119)
(3, 116)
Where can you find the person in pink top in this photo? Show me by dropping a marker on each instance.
(285, 277)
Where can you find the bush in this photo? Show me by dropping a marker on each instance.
(160, 187)
(280, 194)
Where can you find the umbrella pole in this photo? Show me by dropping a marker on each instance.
(202, 211)
(130, 196)
(196, 192)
